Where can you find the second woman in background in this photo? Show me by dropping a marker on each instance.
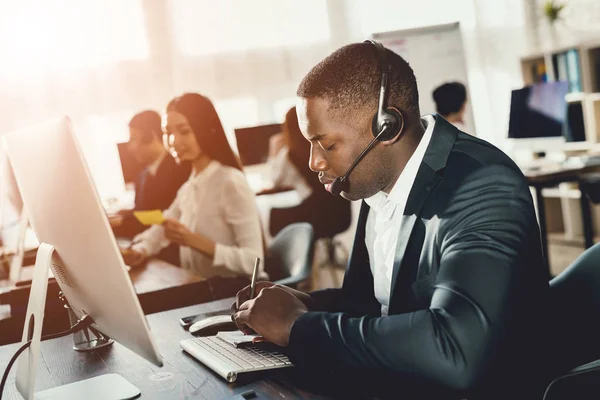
(214, 217)
(328, 214)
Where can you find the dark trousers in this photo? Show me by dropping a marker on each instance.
(328, 215)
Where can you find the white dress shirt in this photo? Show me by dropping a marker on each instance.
(219, 204)
(385, 219)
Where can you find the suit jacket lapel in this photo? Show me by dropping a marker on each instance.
(430, 172)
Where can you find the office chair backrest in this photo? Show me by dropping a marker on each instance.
(290, 255)
(575, 312)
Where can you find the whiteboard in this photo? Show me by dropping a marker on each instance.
(436, 55)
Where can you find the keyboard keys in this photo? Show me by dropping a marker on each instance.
(241, 359)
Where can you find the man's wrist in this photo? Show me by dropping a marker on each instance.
(308, 301)
(293, 319)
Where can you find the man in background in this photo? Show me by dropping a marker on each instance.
(158, 183)
(451, 102)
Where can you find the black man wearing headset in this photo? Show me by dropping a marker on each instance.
(444, 292)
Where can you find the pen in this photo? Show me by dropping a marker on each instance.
(254, 274)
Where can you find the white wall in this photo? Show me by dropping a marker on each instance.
(496, 34)
(492, 35)
(580, 19)
(500, 36)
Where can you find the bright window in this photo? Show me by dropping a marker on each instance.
(234, 113)
(204, 27)
(39, 36)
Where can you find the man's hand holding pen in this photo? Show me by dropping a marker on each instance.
(271, 313)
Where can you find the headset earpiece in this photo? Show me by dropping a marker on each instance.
(393, 123)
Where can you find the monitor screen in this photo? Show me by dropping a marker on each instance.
(538, 111)
(253, 143)
(129, 165)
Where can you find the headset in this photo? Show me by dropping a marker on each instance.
(387, 122)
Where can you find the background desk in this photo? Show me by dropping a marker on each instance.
(160, 286)
(181, 377)
(551, 176)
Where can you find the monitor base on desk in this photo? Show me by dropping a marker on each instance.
(93, 344)
(102, 387)
(86, 339)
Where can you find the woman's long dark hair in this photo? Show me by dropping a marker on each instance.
(207, 127)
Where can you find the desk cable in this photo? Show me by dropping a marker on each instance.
(84, 322)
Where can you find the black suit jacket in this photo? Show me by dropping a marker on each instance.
(468, 287)
(155, 192)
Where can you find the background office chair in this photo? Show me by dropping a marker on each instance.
(575, 305)
(589, 185)
(290, 255)
(329, 216)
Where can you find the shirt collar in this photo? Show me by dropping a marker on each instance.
(409, 173)
(206, 172)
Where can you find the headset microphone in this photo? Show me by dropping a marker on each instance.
(341, 183)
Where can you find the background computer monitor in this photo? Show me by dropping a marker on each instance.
(538, 111)
(9, 185)
(16, 236)
(130, 167)
(253, 143)
(65, 211)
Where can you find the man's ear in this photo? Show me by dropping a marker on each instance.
(400, 128)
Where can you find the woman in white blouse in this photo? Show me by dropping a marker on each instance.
(214, 217)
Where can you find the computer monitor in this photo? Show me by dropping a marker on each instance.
(15, 224)
(538, 115)
(253, 143)
(9, 185)
(65, 212)
(130, 167)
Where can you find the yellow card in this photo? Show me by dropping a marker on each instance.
(152, 217)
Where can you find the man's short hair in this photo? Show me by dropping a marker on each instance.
(147, 121)
(350, 78)
(449, 97)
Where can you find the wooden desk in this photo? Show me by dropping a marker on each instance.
(160, 286)
(551, 176)
(181, 377)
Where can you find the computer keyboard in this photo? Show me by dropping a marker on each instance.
(582, 161)
(229, 361)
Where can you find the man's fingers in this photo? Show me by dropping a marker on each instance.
(245, 330)
(241, 318)
(242, 296)
(245, 305)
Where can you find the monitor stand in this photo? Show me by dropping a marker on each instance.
(107, 386)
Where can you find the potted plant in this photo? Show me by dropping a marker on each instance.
(553, 10)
